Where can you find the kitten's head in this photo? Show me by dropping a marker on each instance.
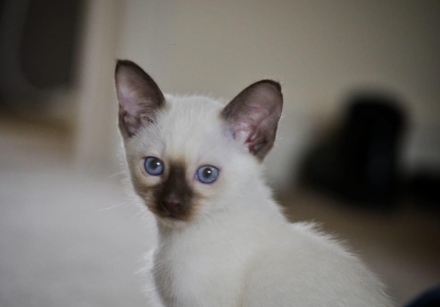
(193, 156)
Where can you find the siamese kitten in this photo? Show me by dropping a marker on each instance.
(196, 164)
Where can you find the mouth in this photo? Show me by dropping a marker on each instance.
(169, 216)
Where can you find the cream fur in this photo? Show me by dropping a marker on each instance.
(239, 250)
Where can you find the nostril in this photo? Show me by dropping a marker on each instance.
(171, 206)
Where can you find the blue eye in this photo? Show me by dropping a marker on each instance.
(207, 174)
(153, 166)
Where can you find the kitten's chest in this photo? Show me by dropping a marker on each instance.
(198, 277)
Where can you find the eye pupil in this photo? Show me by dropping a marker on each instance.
(207, 172)
(154, 164)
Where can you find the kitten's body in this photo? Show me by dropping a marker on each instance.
(228, 244)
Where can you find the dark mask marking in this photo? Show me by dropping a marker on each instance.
(173, 197)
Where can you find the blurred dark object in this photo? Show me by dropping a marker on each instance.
(430, 298)
(48, 42)
(38, 40)
(424, 187)
(359, 163)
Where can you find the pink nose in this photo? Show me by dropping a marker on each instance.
(171, 206)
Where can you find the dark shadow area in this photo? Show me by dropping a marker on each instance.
(38, 52)
(358, 162)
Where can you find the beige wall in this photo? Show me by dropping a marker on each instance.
(318, 49)
(96, 137)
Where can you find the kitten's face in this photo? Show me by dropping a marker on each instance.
(191, 156)
(180, 164)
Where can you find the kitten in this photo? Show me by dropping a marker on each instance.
(196, 164)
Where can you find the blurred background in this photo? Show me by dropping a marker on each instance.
(358, 149)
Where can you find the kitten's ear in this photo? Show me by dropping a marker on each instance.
(139, 97)
(254, 114)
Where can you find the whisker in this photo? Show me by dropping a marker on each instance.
(116, 174)
(113, 207)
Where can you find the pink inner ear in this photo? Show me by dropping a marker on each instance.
(253, 116)
(128, 101)
(139, 96)
(259, 136)
(129, 92)
(250, 124)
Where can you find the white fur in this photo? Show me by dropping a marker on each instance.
(239, 250)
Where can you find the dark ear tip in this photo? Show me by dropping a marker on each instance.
(120, 63)
(273, 83)
(126, 63)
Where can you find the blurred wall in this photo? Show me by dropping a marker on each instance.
(96, 138)
(318, 49)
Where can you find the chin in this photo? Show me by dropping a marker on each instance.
(171, 222)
